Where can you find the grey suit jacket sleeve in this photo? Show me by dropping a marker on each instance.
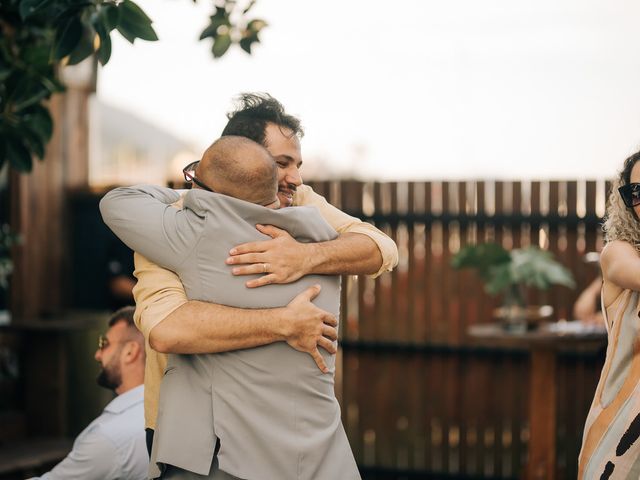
(143, 218)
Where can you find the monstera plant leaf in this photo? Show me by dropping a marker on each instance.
(502, 270)
(537, 268)
(484, 257)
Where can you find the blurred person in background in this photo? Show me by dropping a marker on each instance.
(120, 279)
(113, 445)
(610, 445)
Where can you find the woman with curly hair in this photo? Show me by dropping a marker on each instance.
(610, 444)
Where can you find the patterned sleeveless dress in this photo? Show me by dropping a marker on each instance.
(611, 444)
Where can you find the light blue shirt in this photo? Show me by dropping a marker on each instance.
(112, 447)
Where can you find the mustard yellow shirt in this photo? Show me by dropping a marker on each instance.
(159, 292)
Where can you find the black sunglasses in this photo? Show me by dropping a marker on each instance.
(189, 173)
(630, 194)
(103, 342)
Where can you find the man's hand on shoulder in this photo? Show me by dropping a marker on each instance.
(307, 327)
(281, 259)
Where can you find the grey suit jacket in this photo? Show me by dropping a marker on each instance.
(274, 412)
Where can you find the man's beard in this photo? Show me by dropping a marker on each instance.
(285, 194)
(109, 377)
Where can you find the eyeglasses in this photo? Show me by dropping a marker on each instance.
(103, 342)
(189, 173)
(630, 194)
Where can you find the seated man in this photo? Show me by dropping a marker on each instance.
(112, 446)
(273, 413)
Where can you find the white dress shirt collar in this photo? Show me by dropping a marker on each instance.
(126, 400)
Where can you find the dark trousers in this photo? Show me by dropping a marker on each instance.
(149, 439)
(175, 473)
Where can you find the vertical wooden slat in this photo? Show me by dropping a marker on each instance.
(412, 280)
(429, 269)
(437, 294)
(516, 208)
(571, 257)
(591, 234)
(554, 209)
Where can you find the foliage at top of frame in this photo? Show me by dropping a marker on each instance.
(38, 37)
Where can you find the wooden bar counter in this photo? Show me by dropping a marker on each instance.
(544, 344)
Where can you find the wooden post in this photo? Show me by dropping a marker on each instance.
(40, 282)
(38, 210)
(542, 438)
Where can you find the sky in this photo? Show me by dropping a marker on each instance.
(407, 90)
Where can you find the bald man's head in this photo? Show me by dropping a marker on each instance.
(240, 168)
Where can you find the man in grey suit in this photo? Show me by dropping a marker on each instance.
(274, 414)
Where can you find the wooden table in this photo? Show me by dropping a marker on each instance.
(544, 344)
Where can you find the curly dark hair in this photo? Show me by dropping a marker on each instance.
(252, 114)
(621, 223)
(629, 163)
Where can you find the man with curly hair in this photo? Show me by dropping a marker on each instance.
(173, 324)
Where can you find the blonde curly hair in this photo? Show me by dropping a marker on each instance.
(621, 222)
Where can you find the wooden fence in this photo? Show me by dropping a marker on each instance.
(419, 401)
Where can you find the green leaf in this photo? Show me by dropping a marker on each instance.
(256, 25)
(29, 7)
(52, 84)
(219, 19)
(210, 31)
(499, 279)
(29, 93)
(84, 48)
(67, 37)
(220, 45)
(3, 151)
(134, 23)
(132, 10)
(130, 36)
(4, 73)
(245, 44)
(110, 16)
(32, 141)
(37, 57)
(18, 155)
(481, 257)
(250, 34)
(537, 268)
(38, 120)
(104, 51)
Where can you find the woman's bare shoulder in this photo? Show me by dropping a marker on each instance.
(616, 249)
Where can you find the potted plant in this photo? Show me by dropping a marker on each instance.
(510, 273)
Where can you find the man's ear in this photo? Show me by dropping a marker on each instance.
(131, 351)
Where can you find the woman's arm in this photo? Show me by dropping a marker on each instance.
(620, 264)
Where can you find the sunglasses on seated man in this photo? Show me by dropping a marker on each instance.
(189, 173)
(630, 194)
